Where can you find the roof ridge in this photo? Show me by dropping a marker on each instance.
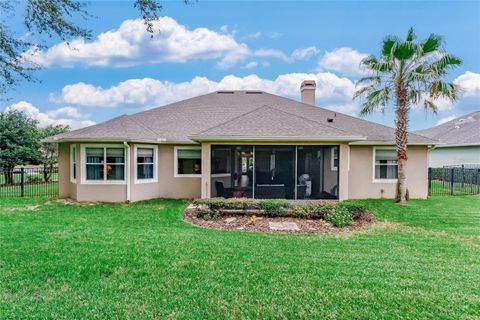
(271, 107)
(142, 125)
(312, 120)
(229, 120)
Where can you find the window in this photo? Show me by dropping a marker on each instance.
(145, 160)
(188, 161)
(73, 163)
(385, 164)
(104, 164)
(334, 159)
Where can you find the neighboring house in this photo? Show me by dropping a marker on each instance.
(459, 141)
(237, 144)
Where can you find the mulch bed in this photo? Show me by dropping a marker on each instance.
(242, 223)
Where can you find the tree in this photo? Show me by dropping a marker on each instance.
(19, 141)
(410, 73)
(48, 155)
(53, 18)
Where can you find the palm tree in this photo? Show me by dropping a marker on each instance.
(409, 73)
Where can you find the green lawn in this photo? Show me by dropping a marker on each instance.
(420, 261)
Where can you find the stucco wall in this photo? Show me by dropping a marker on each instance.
(444, 156)
(362, 186)
(64, 170)
(167, 185)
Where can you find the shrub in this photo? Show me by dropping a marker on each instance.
(339, 216)
(275, 207)
(34, 178)
(356, 209)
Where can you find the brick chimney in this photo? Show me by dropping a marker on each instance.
(307, 89)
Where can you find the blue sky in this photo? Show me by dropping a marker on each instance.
(208, 46)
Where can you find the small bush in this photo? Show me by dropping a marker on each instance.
(356, 209)
(34, 178)
(339, 216)
(274, 207)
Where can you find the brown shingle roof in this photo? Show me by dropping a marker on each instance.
(237, 113)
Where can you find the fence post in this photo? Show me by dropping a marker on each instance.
(429, 181)
(22, 182)
(452, 178)
(478, 180)
(463, 176)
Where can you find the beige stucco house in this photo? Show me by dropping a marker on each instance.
(237, 144)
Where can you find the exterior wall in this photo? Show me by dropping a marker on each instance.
(167, 185)
(362, 186)
(343, 177)
(64, 170)
(444, 156)
(355, 177)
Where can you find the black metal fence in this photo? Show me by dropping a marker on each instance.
(28, 182)
(454, 180)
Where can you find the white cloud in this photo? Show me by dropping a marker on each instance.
(446, 119)
(345, 60)
(65, 116)
(251, 65)
(273, 53)
(305, 53)
(469, 83)
(332, 90)
(131, 44)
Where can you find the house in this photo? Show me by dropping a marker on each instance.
(459, 141)
(237, 144)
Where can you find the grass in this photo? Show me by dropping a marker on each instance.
(142, 261)
(438, 187)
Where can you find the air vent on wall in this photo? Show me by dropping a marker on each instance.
(225, 92)
(253, 92)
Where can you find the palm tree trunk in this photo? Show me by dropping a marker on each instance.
(401, 140)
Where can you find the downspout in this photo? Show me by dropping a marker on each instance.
(125, 143)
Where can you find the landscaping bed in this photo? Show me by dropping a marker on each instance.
(277, 215)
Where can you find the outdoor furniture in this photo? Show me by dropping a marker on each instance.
(222, 191)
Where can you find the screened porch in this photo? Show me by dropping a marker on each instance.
(293, 172)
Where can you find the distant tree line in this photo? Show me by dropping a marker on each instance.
(21, 144)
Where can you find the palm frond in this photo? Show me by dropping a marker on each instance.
(411, 34)
(432, 43)
(387, 45)
(430, 105)
(370, 80)
(445, 62)
(363, 91)
(441, 89)
(377, 99)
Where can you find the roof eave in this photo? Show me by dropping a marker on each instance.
(389, 143)
(276, 139)
(100, 140)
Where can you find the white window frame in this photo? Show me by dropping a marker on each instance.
(83, 162)
(155, 163)
(73, 163)
(373, 168)
(332, 158)
(175, 161)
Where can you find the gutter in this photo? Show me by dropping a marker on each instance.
(102, 140)
(276, 139)
(125, 143)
